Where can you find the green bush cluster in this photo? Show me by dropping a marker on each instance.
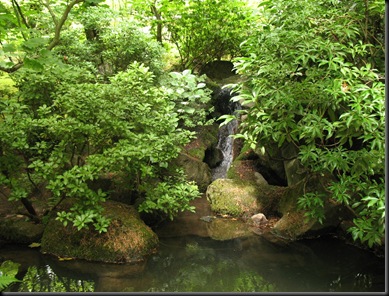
(201, 31)
(64, 131)
(314, 79)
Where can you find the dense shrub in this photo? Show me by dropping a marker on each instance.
(314, 79)
(64, 130)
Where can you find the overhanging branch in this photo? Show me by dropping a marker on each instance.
(61, 22)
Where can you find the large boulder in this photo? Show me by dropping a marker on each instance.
(294, 170)
(240, 198)
(267, 162)
(294, 224)
(195, 170)
(206, 137)
(128, 238)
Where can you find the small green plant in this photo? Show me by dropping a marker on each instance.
(313, 204)
(8, 271)
(170, 196)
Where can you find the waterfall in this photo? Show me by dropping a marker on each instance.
(226, 143)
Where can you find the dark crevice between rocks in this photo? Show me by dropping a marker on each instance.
(270, 175)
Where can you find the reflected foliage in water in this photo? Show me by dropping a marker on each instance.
(199, 268)
(43, 279)
(198, 264)
(252, 282)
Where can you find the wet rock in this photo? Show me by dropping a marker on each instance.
(128, 238)
(258, 219)
(221, 100)
(213, 157)
(192, 158)
(208, 218)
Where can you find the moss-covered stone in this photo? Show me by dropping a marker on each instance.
(128, 239)
(19, 229)
(195, 170)
(191, 159)
(239, 198)
(207, 137)
(226, 229)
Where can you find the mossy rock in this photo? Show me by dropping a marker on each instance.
(226, 229)
(128, 238)
(242, 170)
(195, 170)
(239, 198)
(294, 224)
(19, 229)
(206, 137)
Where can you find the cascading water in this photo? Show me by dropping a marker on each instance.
(225, 143)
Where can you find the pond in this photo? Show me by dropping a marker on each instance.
(193, 263)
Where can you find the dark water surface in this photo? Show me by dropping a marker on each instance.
(196, 264)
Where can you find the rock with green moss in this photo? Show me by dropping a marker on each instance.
(206, 137)
(238, 198)
(294, 224)
(226, 229)
(192, 158)
(20, 229)
(195, 170)
(128, 238)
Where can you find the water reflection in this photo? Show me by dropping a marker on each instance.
(200, 264)
(44, 279)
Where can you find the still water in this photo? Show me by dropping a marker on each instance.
(196, 264)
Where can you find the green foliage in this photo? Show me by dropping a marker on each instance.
(67, 131)
(107, 42)
(33, 29)
(314, 79)
(313, 204)
(170, 196)
(191, 98)
(8, 271)
(202, 31)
